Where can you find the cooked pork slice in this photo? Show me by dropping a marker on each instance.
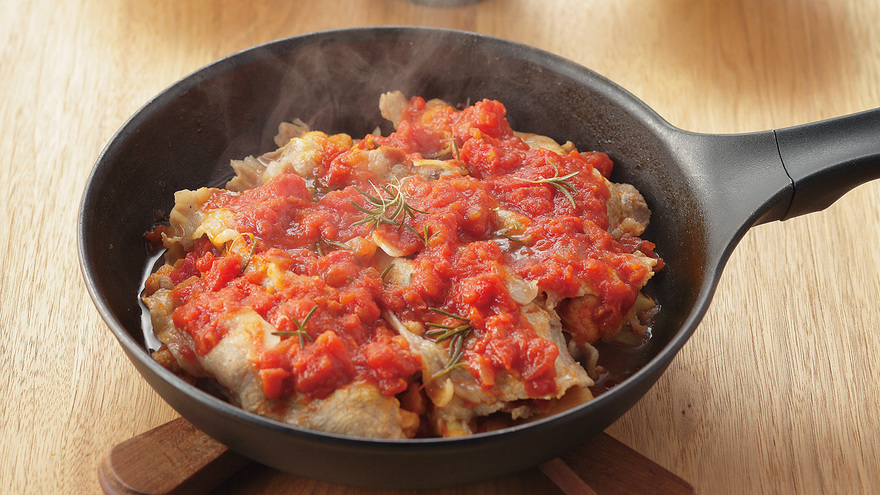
(628, 214)
(189, 220)
(390, 165)
(536, 141)
(250, 172)
(459, 397)
(356, 409)
(589, 318)
(391, 104)
(228, 362)
(300, 155)
(387, 164)
(434, 169)
(290, 130)
(174, 341)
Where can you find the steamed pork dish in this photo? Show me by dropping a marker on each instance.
(448, 278)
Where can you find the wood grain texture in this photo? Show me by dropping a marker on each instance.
(775, 393)
(174, 458)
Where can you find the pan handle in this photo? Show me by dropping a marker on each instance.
(826, 159)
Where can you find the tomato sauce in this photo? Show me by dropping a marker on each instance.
(310, 265)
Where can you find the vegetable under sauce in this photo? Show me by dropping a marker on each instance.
(448, 272)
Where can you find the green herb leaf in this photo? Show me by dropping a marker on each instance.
(389, 207)
(336, 244)
(253, 239)
(559, 182)
(300, 332)
(455, 334)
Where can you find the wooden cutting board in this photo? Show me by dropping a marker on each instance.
(178, 458)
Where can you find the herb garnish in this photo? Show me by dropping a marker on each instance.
(391, 209)
(426, 237)
(455, 151)
(247, 261)
(370, 143)
(525, 240)
(385, 272)
(336, 244)
(301, 329)
(559, 182)
(456, 334)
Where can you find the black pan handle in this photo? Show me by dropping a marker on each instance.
(826, 159)
(749, 179)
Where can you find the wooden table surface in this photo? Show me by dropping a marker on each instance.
(777, 391)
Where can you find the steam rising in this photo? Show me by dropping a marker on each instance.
(334, 83)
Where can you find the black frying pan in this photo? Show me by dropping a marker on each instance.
(705, 192)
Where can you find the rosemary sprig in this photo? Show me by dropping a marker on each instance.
(424, 237)
(300, 329)
(323, 240)
(247, 261)
(385, 272)
(370, 142)
(455, 151)
(336, 244)
(456, 334)
(559, 182)
(450, 149)
(319, 188)
(388, 209)
(512, 237)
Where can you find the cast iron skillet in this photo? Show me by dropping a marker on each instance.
(705, 191)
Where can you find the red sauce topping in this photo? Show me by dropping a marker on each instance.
(314, 273)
